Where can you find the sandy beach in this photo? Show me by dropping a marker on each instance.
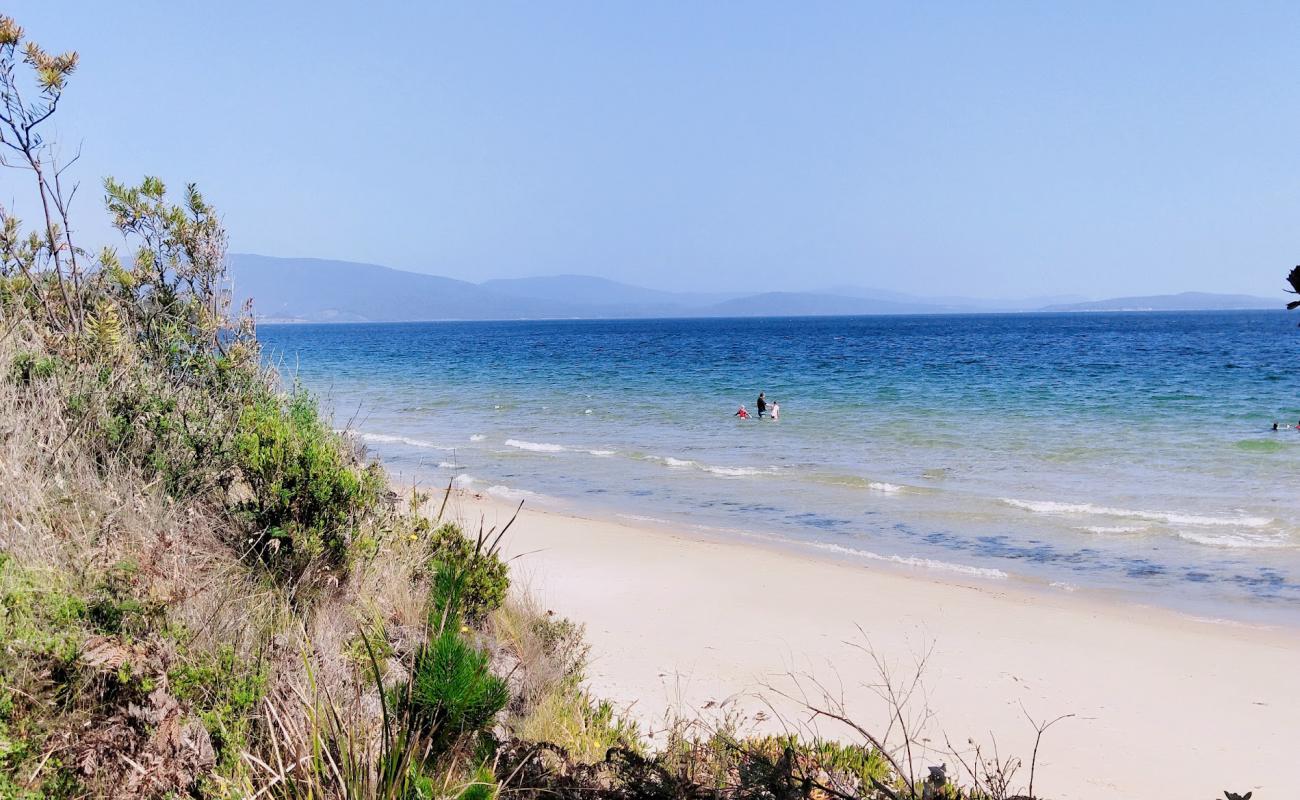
(1164, 705)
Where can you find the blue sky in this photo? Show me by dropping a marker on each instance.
(990, 149)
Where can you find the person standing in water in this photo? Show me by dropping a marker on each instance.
(776, 411)
(742, 413)
(761, 404)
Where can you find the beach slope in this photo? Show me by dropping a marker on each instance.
(1164, 705)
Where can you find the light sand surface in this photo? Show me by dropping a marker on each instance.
(1166, 706)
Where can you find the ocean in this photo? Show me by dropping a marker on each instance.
(1129, 454)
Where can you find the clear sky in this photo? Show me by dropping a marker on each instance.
(989, 149)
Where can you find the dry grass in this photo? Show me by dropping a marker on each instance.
(72, 522)
(545, 657)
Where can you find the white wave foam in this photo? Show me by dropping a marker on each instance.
(726, 472)
(1236, 540)
(1051, 507)
(547, 447)
(1063, 586)
(736, 472)
(462, 480)
(643, 518)
(1235, 623)
(536, 447)
(478, 437)
(910, 561)
(1107, 529)
(449, 465)
(506, 493)
(390, 439)
(884, 488)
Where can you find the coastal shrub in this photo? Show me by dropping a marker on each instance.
(224, 690)
(481, 576)
(453, 691)
(113, 608)
(181, 433)
(29, 367)
(563, 643)
(482, 786)
(307, 497)
(584, 726)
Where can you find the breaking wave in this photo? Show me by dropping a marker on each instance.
(1051, 507)
(386, 438)
(547, 447)
(726, 472)
(1237, 540)
(536, 447)
(911, 561)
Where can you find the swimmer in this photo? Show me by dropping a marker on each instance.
(742, 413)
(776, 411)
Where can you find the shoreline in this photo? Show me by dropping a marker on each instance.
(1165, 703)
(912, 566)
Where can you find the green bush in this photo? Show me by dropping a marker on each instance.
(306, 494)
(482, 786)
(113, 608)
(38, 619)
(181, 433)
(28, 367)
(453, 692)
(482, 578)
(42, 628)
(224, 691)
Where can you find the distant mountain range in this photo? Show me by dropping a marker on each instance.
(318, 290)
(1186, 301)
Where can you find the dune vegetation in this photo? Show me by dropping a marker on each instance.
(207, 591)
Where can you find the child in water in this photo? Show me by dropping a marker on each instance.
(776, 411)
(742, 413)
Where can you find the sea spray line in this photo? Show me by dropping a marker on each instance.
(643, 518)
(547, 447)
(1236, 540)
(1111, 529)
(535, 447)
(1051, 507)
(507, 493)
(858, 482)
(726, 472)
(908, 561)
(386, 438)
(884, 488)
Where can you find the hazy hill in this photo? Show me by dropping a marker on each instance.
(1186, 301)
(797, 304)
(956, 303)
(593, 291)
(319, 290)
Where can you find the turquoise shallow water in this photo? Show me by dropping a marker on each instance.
(1124, 452)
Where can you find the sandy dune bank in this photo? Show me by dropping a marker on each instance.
(1165, 705)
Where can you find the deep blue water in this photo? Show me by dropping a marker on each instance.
(1121, 452)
